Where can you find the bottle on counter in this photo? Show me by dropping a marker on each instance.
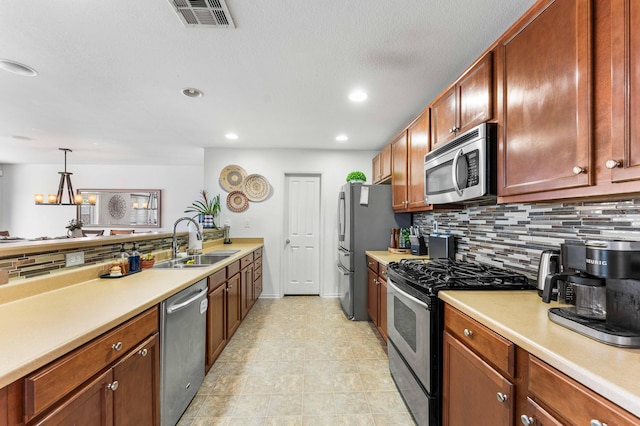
(134, 259)
(124, 260)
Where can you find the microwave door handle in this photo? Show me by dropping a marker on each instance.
(454, 172)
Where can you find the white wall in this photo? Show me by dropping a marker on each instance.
(19, 215)
(266, 219)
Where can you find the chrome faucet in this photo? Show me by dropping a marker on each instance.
(174, 245)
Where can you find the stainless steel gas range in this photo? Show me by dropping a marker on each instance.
(416, 322)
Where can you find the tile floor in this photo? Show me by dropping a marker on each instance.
(299, 361)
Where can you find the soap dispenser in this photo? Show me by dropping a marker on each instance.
(134, 259)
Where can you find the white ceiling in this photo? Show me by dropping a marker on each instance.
(110, 74)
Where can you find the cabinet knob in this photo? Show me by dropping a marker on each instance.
(113, 385)
(143, 352)
(452, 130)
(501, 397)
(117, 346)
(595, 422)
(526, 420)
(612, 164)
(577, 170)
(468, 332)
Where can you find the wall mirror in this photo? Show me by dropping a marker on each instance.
(120, 208)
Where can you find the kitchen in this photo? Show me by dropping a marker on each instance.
(475, 226)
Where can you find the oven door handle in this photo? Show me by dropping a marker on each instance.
(403, 294)
(454, 171)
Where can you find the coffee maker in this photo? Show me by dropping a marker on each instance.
(598, 284)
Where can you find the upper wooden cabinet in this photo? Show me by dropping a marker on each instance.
(399, 175)
(624, 162)
(544, 74)
(467, 103)
(382, 165)
(418, 147)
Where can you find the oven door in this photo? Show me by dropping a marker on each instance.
(409, 328)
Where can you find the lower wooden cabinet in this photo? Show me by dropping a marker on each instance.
(487, 380)
(114, 379)
(377, 295)
(216, 316)
(474, 393)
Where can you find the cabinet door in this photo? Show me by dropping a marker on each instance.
(537, 416)
(216, 323)
(382, 299)
(136, 400)
(385, 163)
(444, 118)
(233, 304)
(372, 296)
(399, 173)
(473, 392)
(246, 288)
(375, 169)
(91, 404)
(475, 100)
(544, 92)
(418, 142)
(625, 83)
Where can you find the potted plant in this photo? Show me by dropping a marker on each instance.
(207, 208)
(147, 261)
(74, 228)
(356, 177)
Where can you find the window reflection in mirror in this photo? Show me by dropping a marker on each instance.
(120, 208)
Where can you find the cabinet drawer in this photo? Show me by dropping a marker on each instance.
(382, 271)
(246, 261)
(233, 269)
(491, 346)
(46, 386)
(372, 264)
(217, 279)
(257, 253)
(257, 269)
(573, 401)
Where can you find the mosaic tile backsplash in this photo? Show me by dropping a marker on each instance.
(513, 235)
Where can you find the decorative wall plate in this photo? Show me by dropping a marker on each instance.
(237, 201)
(231, 177)
(117, 207)
(256, 187)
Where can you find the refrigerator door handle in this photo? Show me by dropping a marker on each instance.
(344, 251)
(341, 216)
(343, 269)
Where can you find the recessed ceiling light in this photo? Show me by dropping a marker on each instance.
(358, 96)
(231, 136)
(192, 93)
(342, 138)
(17, 68)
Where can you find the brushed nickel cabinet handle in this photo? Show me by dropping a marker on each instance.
(501, 397)
(468, 332)
(527, 421)
(595, 422)
(577, 170)
(143, 352)
(117, 346)
(113, 386)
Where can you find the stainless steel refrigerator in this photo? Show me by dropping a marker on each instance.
(365, 220)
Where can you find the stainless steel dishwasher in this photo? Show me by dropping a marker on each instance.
(182, 350)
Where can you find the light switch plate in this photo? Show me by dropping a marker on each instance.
(75, 258)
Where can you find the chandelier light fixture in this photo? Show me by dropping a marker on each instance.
(65, 179)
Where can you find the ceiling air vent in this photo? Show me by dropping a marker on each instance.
(203, 13)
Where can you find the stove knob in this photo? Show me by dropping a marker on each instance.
(468, 332)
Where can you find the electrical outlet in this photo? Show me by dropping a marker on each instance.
(74, 259)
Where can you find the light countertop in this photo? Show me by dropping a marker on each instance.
(386, 257)
(42, 327)
(521, 317)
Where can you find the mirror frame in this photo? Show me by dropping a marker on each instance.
(153, 197)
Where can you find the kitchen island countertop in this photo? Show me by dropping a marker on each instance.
(521, 317)
(42, 327)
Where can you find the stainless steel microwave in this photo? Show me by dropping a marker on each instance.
(464, 169)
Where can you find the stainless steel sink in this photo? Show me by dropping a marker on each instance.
(196, 261)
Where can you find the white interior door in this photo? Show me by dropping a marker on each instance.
(302, 240)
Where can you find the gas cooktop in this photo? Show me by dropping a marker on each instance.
(432, 275)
